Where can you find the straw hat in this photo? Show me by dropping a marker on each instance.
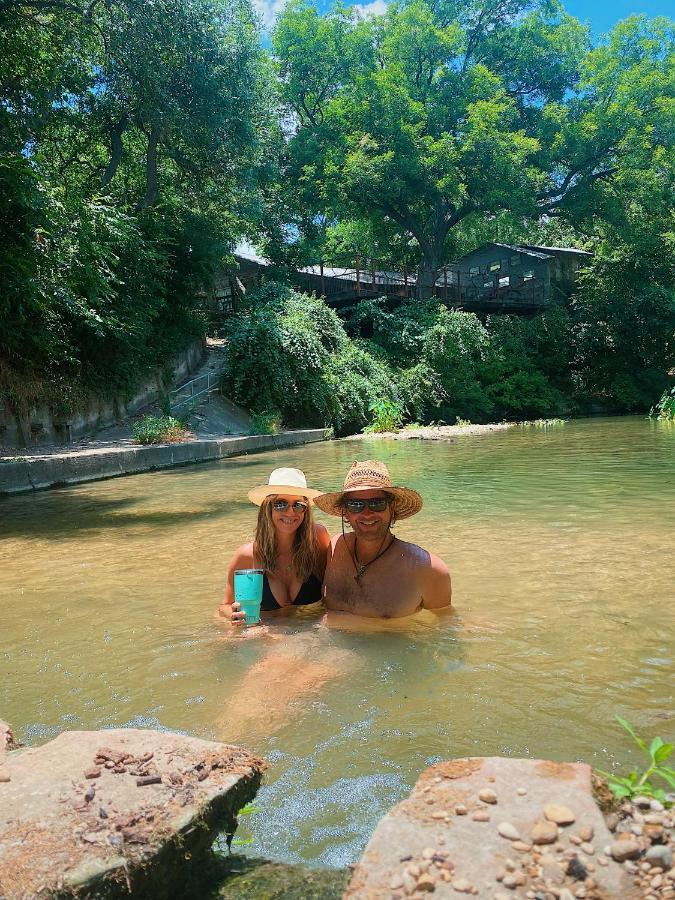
(291, 482)
(369, 475)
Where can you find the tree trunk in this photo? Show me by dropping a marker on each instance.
(428, 270)
(116, 148)
(151, 187)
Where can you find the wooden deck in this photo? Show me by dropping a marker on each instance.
(343, 286)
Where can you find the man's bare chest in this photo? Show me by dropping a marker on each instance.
(383, 590)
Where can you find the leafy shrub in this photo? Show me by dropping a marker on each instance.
(158, 430)
(265, 423)
(665, 408)
(387, 416)
(290, 352)
(637, 784)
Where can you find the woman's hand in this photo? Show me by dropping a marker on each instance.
(234, 613)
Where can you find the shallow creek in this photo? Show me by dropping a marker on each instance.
(561, 546)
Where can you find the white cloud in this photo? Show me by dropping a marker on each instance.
(268, 10)
(368, 10)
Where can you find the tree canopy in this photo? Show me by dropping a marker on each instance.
(132, 138)
(436, 113)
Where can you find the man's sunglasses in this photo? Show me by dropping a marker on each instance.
(377, 504)
(298, 505)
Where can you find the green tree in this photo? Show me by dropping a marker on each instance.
(436, 113)
(133, 140)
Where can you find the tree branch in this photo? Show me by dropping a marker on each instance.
(116, 148)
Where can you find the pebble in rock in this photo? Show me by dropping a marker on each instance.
(396, 882)
(4, 777)
(561, 815)
(461, 885)
(508, 831)
(623, 850)
(612, 821)
(544, 832)
(642, 802)
(521, 846)
(521, 792)
(660, 855)
(481, 815)
(586, 833)
(461, 810)
(588, 848)
(426, 883)
(487, 795)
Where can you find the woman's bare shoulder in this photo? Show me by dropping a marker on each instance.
(243, 557)
(322, 536)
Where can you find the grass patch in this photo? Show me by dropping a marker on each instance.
(159, 430)
(265, 423)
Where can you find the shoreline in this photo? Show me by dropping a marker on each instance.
(435, 432)
(41, 471)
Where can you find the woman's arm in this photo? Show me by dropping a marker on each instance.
(243, 559)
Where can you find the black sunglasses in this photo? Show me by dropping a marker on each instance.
(298, 505)
(377, 504)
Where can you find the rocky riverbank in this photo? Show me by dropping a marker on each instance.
(119, 812)
(499, 829)
(434, 432)
(131, 812)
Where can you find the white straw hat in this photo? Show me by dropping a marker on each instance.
(291, 482)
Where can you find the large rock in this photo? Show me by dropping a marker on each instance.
(445, 840)
(105, 813)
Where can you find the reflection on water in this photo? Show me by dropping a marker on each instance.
(560, 544)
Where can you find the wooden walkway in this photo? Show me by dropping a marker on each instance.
(343, 286)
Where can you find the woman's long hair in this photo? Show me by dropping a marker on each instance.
(304, 544)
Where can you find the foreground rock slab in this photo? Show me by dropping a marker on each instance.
(494, 828)
(108, 813)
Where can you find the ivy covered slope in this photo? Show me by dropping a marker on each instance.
(131, 138)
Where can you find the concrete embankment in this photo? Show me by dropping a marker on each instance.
(35, 472)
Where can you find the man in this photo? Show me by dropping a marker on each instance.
(371, 572)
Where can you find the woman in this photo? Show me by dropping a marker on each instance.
(289, 546)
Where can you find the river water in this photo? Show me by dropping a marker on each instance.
(560, 542)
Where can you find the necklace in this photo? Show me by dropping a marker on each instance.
(360, 567)
(288, 567)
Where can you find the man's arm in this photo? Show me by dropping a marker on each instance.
(437, 587)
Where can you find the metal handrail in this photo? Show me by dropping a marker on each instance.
(211, 386)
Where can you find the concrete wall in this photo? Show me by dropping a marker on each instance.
(40, 426)
(34, 473)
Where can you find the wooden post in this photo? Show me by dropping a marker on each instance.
(358, 275)
(372, 272)
(323, 289)
(405, 280)
(445, 282)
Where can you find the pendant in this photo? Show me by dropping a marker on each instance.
(359, 574)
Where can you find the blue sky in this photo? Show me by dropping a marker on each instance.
(601, 15)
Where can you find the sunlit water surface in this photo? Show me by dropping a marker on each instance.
(560, 544)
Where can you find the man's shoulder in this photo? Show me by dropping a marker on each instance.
(423, 559)
(414, 553)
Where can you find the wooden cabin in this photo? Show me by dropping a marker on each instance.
(520, 276)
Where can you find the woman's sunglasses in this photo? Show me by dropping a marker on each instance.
(298, 506)
(378, 504)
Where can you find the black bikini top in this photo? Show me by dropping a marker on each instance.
(310, 592)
